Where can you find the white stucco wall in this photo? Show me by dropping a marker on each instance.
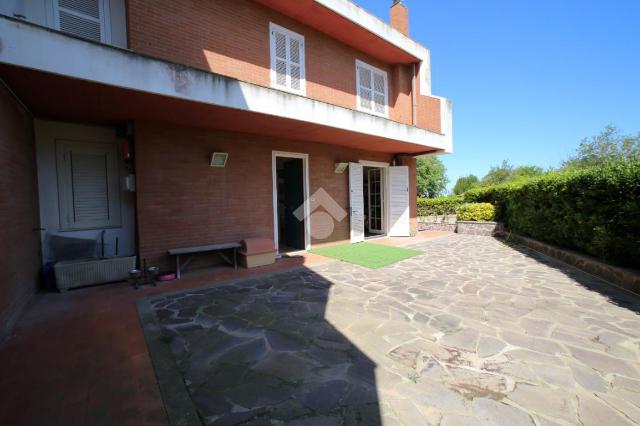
(46, 133)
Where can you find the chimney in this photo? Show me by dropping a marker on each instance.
(400, 17)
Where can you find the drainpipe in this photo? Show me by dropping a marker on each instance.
(414, 98)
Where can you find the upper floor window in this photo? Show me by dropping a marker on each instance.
(83, 18)
(287, 60)
(372, 89)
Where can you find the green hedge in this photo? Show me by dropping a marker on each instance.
(594, 210)
(439, 206)
(481, 212)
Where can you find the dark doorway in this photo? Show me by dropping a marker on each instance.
(289, 173)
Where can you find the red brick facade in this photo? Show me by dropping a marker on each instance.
(19, 242)
(231, 37)
(181, 201)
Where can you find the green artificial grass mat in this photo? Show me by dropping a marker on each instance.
(372, 256)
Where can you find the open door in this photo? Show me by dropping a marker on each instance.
(292, 183)
(399, 202)
(375, 201)
(356, 202)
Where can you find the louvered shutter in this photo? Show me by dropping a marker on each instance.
(89, 178)
(287, 60)
(281, 59)
(399, 225)
(372, 89)
(88, 185)
(379, 93)
(356, 202)
(366, 94)
(295, 68)
(83, 18)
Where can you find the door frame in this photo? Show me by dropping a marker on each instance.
(385, 190)
(305, 187)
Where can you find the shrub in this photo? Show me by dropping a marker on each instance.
(439, 206)
(595, 210)
(480, 212)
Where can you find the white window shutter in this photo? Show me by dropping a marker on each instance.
(280, 49)
(356, 202)
(88, 185)
(295, 69)
(83, 18)
(380, 92)
(287, 60)
(372, 89)
(399, 225)
(364, 87)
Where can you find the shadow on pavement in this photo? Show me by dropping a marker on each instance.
(261, 350)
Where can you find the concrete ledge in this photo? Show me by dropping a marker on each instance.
(480, 228)
(628, 279)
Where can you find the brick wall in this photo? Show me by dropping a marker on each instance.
(428, 116)
(19, 244)
(181, 201)
(400, 18)
(231, 37)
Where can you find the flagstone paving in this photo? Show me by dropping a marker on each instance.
(471, 332)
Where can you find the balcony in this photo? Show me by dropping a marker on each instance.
(67, 78)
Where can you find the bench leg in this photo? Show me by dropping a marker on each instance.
(178, 266)
(235, 258)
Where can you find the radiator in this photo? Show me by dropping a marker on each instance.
(93, 271)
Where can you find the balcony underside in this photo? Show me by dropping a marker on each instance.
(55, 97)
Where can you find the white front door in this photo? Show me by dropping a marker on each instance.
(356, 202)
(399, 201)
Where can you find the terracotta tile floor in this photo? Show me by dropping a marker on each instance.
(80, 358)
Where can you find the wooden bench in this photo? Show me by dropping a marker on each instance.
(218, 248)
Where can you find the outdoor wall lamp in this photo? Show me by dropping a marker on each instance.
(341, 167)
(219, 159)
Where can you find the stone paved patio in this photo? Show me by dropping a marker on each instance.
(472, 332)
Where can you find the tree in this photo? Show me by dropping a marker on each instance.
(609, 145)
(431, 176)
(498, 174)
(465, 183)
(527, 172)
(505, 173)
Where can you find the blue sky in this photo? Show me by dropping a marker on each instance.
(528, 79)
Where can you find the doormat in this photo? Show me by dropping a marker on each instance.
(369, 255)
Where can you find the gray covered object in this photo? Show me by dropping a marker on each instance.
(67, 248)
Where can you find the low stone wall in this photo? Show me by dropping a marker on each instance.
(628, 279)
(437, 223)
(480, 228)
(448, 227)
(450, 223)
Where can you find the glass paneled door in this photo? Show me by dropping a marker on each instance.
(376, 225)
